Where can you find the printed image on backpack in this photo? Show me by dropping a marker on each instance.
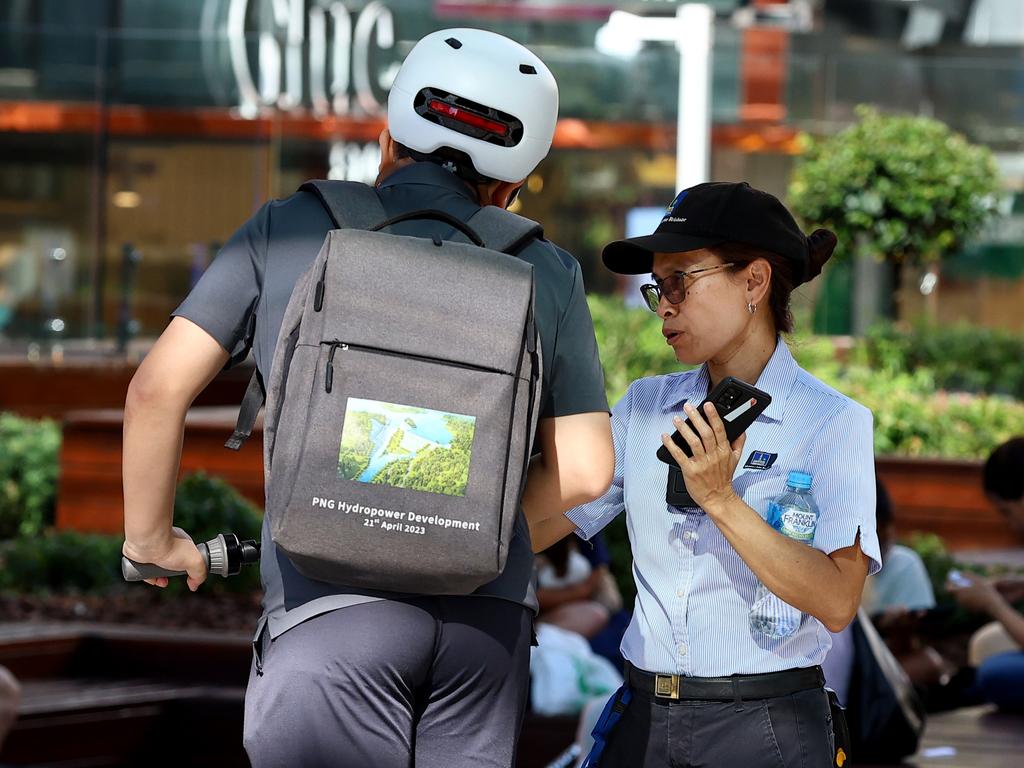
(406, 447)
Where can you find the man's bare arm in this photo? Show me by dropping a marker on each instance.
(179, 366)
(575, 466)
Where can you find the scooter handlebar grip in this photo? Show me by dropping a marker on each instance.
(133, 571)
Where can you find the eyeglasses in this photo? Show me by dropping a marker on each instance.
(672, 287)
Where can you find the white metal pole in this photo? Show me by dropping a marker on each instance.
(695, 29)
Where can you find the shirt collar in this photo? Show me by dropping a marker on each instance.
(776, 379)
(430, 174)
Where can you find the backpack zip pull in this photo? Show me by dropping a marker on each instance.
(318, 300)
(329, 376)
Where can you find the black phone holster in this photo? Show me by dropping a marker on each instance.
(676, 494)
(840, 729)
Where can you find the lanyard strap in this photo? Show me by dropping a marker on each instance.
(609, 717)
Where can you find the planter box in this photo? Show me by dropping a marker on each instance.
(89, 494)
(945, 497)
(91, 380)
(932, 495)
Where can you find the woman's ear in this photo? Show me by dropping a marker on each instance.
(759, 277)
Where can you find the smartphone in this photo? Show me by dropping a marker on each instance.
(737, 402)
(957, 579)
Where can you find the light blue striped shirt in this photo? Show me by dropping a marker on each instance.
(693, 590)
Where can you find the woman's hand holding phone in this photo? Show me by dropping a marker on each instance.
(708, 473)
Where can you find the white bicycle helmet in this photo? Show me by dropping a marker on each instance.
(478, 93)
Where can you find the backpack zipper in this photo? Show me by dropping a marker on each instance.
(329, 376)
(336, 345)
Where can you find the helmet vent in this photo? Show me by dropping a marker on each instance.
(527, 69)
(456, 43)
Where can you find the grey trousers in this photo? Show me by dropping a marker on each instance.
(432, 682)
(792, 731)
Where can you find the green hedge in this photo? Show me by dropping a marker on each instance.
(67, 561)
(29, 464)
(630, 342)
(912, 419)
(205, 506)
(60, 562)
(961, 358)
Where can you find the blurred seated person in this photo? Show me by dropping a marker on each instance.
(903, 584)
(576, 591)
(900, 601)
(996, 648)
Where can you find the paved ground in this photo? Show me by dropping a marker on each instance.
(976, 737)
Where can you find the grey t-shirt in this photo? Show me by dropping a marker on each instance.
(241, 298)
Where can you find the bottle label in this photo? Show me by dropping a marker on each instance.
(797, 523)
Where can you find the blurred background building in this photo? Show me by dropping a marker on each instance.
(136, 135)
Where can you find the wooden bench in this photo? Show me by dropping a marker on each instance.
(110, 696)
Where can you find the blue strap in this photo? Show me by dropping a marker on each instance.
(609, 717)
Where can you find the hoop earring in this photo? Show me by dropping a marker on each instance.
(751, 308)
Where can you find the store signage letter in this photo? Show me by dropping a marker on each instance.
(340, 44)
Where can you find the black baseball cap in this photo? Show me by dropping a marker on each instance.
(712, 213)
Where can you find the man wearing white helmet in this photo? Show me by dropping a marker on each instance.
(343, 676)
(437, 104)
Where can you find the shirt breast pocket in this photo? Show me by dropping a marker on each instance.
(758, 486)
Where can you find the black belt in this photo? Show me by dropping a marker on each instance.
(766, 686)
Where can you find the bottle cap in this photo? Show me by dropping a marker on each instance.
(800, 480)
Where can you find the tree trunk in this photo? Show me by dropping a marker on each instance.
(872, 288)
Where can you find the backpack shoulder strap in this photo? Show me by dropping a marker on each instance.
(350, 205)
(255, 395)
(504, 231)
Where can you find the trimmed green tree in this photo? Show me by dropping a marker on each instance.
(894, 188)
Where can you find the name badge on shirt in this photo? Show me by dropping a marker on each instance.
(760, 460)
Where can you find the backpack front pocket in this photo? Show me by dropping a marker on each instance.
(400, 480)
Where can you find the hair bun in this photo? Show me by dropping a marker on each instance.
(820, 244)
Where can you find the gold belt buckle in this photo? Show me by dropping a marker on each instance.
(666, 686)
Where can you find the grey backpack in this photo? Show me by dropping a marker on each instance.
(402, 401)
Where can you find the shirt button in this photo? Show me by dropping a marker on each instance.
(691, 535)
(680, 593)
(682, 649)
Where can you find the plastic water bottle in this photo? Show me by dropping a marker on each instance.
(795, 515)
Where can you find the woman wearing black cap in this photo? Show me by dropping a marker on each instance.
(704, 686)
